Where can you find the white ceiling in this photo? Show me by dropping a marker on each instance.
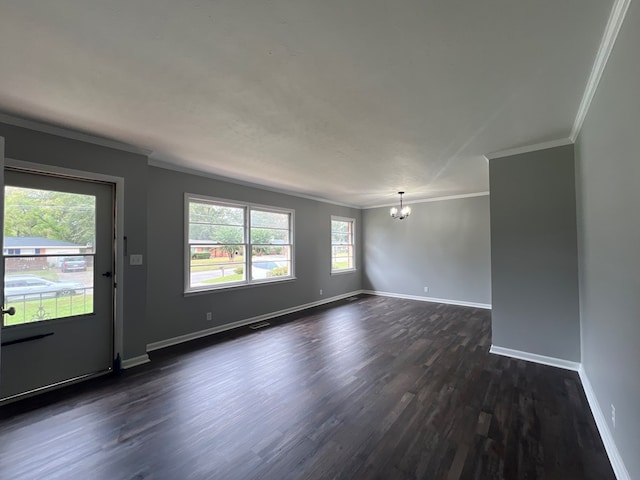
(346, 100)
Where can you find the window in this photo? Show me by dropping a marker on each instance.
(343, 245)
(233, 244)
(34, 284)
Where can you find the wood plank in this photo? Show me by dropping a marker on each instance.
(373, 388)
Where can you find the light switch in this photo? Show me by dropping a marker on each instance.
(135, 259)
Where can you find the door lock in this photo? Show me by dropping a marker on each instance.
(106, 274)
(9, 311)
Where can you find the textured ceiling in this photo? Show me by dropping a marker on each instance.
(347, 100)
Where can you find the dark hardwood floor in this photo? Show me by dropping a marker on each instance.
(373, 388)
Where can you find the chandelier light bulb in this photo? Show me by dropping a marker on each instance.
(405, 211)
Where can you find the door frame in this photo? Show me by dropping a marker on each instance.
(119, 254)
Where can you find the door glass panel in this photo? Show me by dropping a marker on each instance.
(48, 252)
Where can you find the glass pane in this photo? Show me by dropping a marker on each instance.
(270, 261)
(216, 234)
(47, 287)
(271, 252)
(269, 236)
(48, 251)
(342, 263)
(342, 250)
(341, 238)
(269, 219)
(208, 213)
(269, 268)
(342, 257)
(339, 226)
(43, 222)
(216, 265)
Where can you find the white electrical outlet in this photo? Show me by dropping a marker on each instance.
(320, 291)
(135, 259)
(426, 289)
(613, 416)
(209, 316)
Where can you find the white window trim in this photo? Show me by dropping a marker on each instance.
(353, 240)
(247, 282)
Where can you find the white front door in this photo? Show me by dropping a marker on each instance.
(58, 261)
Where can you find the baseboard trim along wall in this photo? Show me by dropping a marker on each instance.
(241, 323)
(135, 361)
(603, 428)
(461, 303)
(609, 444)
(535, 358)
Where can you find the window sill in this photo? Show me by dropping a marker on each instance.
(239, 286)
(342, 272)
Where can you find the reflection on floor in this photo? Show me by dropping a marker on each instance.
(374, 388)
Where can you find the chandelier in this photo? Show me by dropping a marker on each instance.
(401, 214)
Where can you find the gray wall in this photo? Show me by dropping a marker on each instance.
(171, 313)
(443, 245)
(608, 181)
(534, 267)
(31, 146)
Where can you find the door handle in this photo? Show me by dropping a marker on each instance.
(106, 274)
(9, 311)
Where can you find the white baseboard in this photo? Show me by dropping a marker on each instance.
(609, 444)
(461, 303)
(603, 428)
(534, 357)
(241, 323)
(135, 361)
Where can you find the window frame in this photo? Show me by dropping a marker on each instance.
(248, 207)
(352, 221)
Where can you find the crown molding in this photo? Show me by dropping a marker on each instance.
(560, 142)
(434, 199)
(155, 162)
(618, 13)
(71, 134)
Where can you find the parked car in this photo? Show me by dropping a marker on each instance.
(73, 264)
(265, 269)
(19, 287)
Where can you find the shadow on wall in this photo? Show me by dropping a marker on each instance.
(443, 248)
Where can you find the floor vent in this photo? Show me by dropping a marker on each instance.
(351, 299)
(256, 326)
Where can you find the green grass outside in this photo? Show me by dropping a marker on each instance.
(29, 311)
(341, 262)
(204, 265)
(47, 274)
(228, 278)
